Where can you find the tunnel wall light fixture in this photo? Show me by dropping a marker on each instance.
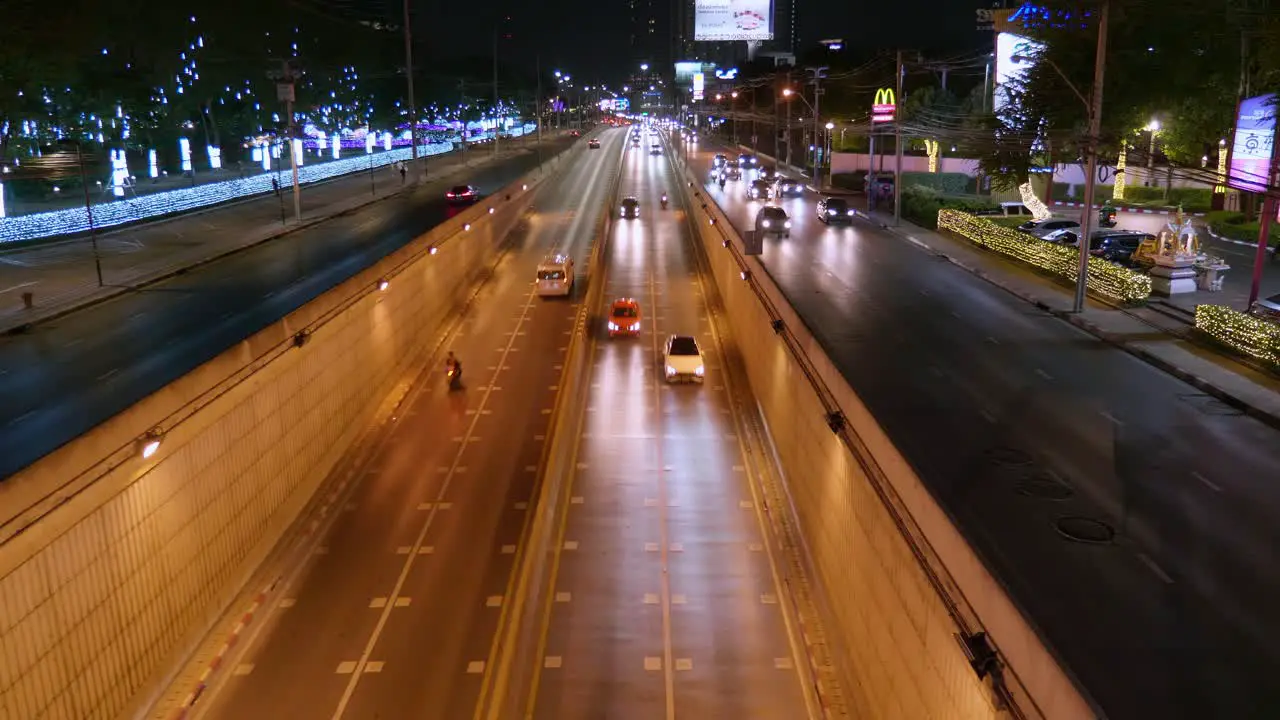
(302, 337)
(150, 442)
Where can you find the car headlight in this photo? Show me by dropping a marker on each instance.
(613, 326)
(831, 212)
(635, 327)
(849, 213)
(786, 224)
(764, 223)
(698, 371)
(671, 370)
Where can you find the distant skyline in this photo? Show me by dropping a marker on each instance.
(592, 38)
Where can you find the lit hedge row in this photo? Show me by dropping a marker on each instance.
(1247, 334)
(1105, 278)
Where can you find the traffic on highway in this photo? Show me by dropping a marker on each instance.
(1016, 420)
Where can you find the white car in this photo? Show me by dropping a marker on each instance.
(682, 360)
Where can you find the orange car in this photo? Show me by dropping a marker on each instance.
(624, 317)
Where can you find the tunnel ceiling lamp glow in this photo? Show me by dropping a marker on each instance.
(149, 444)
(383, 284)
(466, 227)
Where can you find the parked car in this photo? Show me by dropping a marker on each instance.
(1007, 209)
(1117, 246)
(1041, 228)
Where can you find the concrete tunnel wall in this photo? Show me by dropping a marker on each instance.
(893, 638)
(113, 568)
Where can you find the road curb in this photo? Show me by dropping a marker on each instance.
(117, 291)
(1266, 417)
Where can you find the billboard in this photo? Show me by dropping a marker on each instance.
(1251, 146)
(733, 20)
(1012, 60)
(885, 107)
(699, 85)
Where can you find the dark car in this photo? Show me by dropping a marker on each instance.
(835, 210)
(462, 195)
(747, 160)
(768, 174)
(759, 190)
(786, 187)
(630, 208)
(593, 144)
(1117, 246)
(773, 220)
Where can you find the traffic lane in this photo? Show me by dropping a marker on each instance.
(340, 601)
(661, 494)
(992, 360)
(442, 651)
(66, 376)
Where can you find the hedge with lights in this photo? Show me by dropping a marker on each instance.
(1247, 334)
(1105, 278)
(132, 209)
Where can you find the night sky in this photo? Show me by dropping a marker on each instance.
(589, 37)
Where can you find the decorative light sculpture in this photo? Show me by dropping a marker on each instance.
(184, 145)
(153, 166)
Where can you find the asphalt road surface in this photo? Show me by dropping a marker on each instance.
(665, 602)
(69, 374)
(1029, 432)
(394, 615)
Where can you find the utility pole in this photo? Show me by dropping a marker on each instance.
(1264, 223)
(408, 73)
(537, 115)
(286, 91)
(897, 148)
(788, 131)
(1091, 167)
(816, 81)
(497, 114)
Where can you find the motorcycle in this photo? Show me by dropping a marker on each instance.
(1107, 217)
(722, 181)
(664, 202)
(454, 376)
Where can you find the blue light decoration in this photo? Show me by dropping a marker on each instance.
(119, 172)
(184, 146)
(265, 156)
(386, 141)
(108, 214)
(368, 142)
(2, 211)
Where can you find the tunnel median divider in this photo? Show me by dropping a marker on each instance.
(117, 544)
(521, 634)
(900, 590)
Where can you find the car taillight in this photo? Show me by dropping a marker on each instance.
(449, 194)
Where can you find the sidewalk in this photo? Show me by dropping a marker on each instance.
(1163, 339)
(62, 275)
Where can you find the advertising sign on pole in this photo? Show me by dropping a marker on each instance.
(699, 85)
(733, 20)
(885, 107)
(1251, 147)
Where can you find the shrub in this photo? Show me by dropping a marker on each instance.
(1105, 278)
(945, 183)
(1233, 225)
(1246, 334)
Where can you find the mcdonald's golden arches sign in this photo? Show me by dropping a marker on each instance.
(885, 106)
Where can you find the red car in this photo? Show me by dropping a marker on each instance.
(462, 195)
(624, 317)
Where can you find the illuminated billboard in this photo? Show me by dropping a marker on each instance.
(733, 20)
(1012, 60)
(1251, 146)
(699, 85)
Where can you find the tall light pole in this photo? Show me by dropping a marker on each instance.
(816, 81)
(413, 108)
(1152, 127)
(827, 156)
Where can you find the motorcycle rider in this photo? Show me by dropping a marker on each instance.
(454, 368)
(664, 201)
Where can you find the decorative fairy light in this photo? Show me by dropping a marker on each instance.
(184, 147)
(931, 149)
(108, 214)
(1117, 191)
(1105, 278)
(1249, 335)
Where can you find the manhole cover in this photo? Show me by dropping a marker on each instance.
(1210, 405)
(1008, 456)
(1086, 530)
(1043, 485)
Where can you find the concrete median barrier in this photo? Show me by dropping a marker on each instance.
(917, 625)
(117, 557)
